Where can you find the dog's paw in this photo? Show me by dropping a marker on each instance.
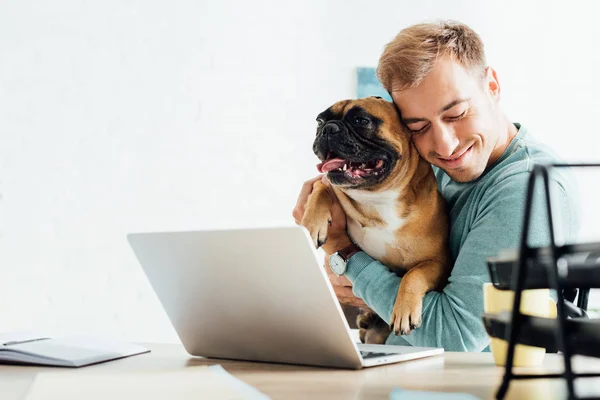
(372, 329)
(317, 226)
(363, 322)
(406, 315)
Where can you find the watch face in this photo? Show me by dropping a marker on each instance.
(337, 264)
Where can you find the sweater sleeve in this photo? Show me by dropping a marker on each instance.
(452, 318)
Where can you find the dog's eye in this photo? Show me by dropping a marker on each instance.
(360, 121)
(320, 122)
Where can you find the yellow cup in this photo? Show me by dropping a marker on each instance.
(534, 302)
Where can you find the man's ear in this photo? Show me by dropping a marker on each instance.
(492, 83)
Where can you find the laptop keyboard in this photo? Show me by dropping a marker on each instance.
(372, 354)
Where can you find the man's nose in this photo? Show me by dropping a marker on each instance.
(444, 141)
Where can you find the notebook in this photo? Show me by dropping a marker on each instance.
(72, 351)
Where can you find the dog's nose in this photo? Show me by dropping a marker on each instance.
(331, 128)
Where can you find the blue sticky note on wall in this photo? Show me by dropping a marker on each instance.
(367, 84)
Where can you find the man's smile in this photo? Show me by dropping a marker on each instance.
(457, 161)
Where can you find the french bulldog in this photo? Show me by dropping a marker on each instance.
(393, 208)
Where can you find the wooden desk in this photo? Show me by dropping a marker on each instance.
(473, 373)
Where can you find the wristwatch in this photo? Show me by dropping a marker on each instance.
(338, 260)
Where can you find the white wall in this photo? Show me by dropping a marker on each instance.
(121, 116)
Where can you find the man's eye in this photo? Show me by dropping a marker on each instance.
(459, 116)
(420, 130)
(360, 121)
(423, 129)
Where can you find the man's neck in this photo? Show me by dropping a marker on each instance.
(504, 140)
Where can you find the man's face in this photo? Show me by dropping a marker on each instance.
(454, 120)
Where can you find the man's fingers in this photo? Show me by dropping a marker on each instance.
(306, 190)
(342, 288)
(343, 292)
(358, 302)
(345, 296)
(339, 280)
(298, 213)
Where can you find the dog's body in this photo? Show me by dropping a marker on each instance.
(389, 194)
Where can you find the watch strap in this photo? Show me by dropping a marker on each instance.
(349, 251)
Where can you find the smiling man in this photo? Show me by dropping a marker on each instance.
(455, 124)
(449, 99)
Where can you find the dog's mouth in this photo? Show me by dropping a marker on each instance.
(352, 170)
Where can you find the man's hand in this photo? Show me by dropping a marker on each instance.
(306, 190)
(337, 239)
(343, 290)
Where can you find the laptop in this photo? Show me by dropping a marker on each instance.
(255, 295)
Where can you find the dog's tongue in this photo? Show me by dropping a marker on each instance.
(330, 165)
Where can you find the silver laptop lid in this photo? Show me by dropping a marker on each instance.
(248, 294)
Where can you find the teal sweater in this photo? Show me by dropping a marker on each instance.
(485, 218)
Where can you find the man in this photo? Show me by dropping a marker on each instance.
(449, 99)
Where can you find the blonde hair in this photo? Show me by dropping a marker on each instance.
(411, 55)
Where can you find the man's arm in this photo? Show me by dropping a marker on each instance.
(452, 318)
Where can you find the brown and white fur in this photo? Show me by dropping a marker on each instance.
(389, 194)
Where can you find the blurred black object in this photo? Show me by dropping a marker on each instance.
(571, 270)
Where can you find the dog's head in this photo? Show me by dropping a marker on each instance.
(360, 143)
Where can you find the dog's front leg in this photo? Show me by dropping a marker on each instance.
(417, 281)
(317, 214)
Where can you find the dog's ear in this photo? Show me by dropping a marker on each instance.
(397, 110)
(404, 127)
